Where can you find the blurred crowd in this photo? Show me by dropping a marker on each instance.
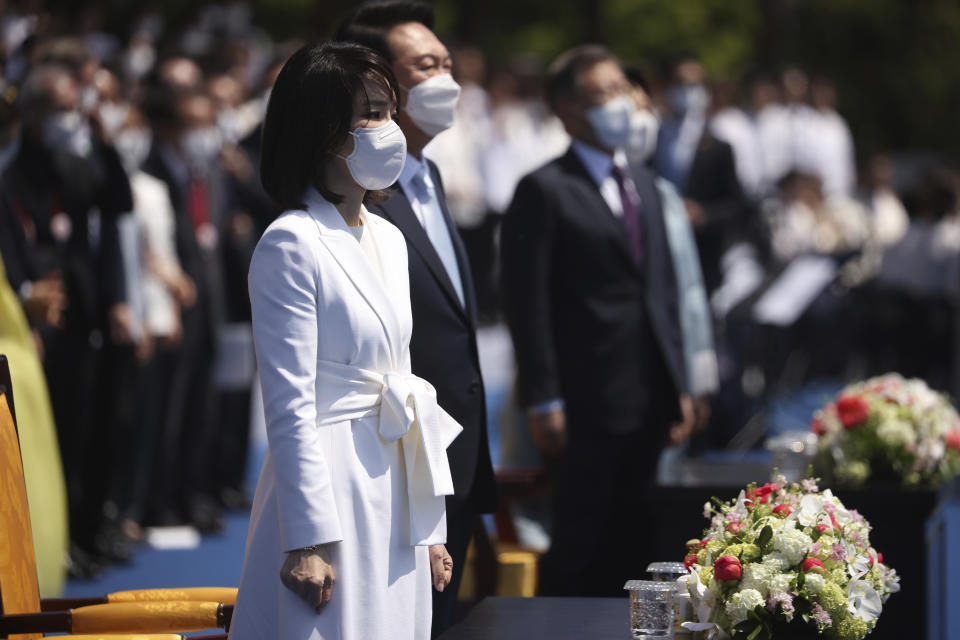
(130, 205)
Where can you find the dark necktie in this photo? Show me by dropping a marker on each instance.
(199, 202)
(631, 213)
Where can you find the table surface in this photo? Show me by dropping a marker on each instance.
(543, 618)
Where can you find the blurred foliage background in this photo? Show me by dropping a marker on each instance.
(897, 62)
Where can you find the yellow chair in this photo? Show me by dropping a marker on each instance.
(130, 615)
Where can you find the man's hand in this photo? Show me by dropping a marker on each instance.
(121, 323)
(698, 217)
(680, 431)
(309, 574)
(548, 430)
(46, 301)
(441, 566)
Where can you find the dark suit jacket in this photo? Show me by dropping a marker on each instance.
(712, 181)
(443, 348)
(589, 324)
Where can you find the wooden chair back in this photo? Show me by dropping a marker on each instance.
(19, 592)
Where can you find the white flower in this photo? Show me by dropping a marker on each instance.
(781, 582)
(776, 561)
(864, 601)
(810, 509)
(793, 544)
(758, 576)
(896, 433)
(743, 602)
(707, 510)
(814, 582)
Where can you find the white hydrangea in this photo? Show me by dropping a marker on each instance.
(742, 602)
(896, 433)
(814, 582)
(757, 576)
(776, 561)
(781, 582)
(793, 544)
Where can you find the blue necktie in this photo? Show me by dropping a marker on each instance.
(436, 227)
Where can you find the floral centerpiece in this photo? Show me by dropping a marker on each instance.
(888, 429)
(785, 561)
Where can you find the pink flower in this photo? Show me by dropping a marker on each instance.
(820, 616)
(816, 548)
(736, 527)
(810, 485)
(839, 552)
(813, 564)
(727, 569)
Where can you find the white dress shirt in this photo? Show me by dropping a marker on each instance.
(599, 165)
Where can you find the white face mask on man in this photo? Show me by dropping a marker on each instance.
(432, 104)
(611, 121)
(378, 156)
(68, 131)
(201, 146)
(642, 140)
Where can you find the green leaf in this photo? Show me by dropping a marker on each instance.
(766, 535)
(801, 579)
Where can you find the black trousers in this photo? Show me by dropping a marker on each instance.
(461, 519)
(600, 533)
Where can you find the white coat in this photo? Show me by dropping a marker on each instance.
(356, 445)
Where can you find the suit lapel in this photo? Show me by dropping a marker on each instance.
(337, 238)
(463, 263)
(591, 193)
(398, 210)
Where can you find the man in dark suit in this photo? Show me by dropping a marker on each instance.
(443, 348)
(702, 168)
(591, 300)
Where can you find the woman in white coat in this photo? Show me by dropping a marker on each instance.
(348, 523)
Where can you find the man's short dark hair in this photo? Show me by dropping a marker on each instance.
(369, 24)
(309, 116)
(563, 73)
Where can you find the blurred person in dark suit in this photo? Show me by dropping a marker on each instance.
(185, 156)
(443, 347)
(701, 167)
(591, 300)
(66, 189)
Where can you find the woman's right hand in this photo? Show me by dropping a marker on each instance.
(309, 574)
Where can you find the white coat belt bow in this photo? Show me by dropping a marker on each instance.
(408, 411)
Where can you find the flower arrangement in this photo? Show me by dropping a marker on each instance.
(785, 561)
(888, 429)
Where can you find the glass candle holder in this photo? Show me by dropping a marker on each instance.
(666, 571)
(651, 609)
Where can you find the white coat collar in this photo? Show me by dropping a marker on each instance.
(343, 245)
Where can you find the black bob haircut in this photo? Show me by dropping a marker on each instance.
(309, 116)
(369, 24)
(561, 82)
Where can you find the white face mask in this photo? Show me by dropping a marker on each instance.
(378, 156)
(643, 135)
(432, 103)
(611, 121)
(133, 145)
(112, 116)
(201, 146)
(68, 131)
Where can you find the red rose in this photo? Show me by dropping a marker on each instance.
(782, 510)
(726, 569)
(822, 527)
(762, 494)
(814, 565)
(952, 440)
(879, 557)
(852, 411)
(817, 427)
(836, 525)
(689, 560)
